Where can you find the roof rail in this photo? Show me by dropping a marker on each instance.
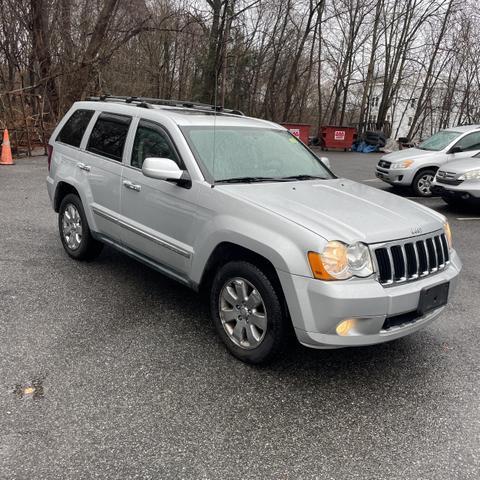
(147, 102)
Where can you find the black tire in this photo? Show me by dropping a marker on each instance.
(275, 336)
(418, 184)
(88, 247)
(455, 202)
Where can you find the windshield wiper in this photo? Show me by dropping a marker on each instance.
(304, 177)
(249, 180)
(269, 179)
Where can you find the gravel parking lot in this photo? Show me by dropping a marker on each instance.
(131, 381)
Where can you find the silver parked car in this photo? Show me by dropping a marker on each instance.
(239, 208)
(416, 167)
(458, 182)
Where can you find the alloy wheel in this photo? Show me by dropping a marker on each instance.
(425, 183)
(242, 313)
(72, 227)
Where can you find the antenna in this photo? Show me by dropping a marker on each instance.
(215, 123)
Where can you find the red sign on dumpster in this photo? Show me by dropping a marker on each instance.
(298, 130)
(337, 136)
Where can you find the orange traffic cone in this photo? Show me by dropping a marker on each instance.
(6, 158)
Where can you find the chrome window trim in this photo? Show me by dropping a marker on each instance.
(101, 157)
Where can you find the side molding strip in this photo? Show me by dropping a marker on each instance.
(138, 231)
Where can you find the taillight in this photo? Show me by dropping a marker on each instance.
(49, 153)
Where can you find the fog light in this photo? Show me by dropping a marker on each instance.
(344, 327)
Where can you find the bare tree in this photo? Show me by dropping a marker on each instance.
(317, 61)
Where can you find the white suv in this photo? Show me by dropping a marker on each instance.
(240, 208)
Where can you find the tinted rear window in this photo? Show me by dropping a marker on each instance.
(72, 132)
(109, 135)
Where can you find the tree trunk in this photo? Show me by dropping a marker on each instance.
(86, 69)
(370, 70)
(421, 99)
(41, 47)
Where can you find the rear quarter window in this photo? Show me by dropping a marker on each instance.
(72, 132)
(108, 135)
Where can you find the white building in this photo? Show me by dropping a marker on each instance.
(402, 110)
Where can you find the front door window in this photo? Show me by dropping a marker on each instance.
(151, 141)
(469, 142)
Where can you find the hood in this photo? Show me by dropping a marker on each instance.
(341, 209)
(412, 153)
(462, 166)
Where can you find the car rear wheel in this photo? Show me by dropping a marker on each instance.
(247, 313)
(75, 234)
(422, 183)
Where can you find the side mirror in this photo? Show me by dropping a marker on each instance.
(161, 168)
(166, 169)
(455, 150)
(326, 162)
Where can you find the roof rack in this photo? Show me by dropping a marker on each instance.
(147, 102)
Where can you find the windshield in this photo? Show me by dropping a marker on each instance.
(259, 154)
(439, 141)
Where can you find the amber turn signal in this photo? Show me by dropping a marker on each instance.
(448, 235)
(317, 267)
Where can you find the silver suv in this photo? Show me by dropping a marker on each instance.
(416, 167)
(239, 208)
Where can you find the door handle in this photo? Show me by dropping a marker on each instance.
(82, 166)
(131, 186)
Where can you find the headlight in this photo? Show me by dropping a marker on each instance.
(339, 261)
(402, 164)
(448, 235)
(471, 175)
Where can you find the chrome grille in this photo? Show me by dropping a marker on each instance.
(408, 260)
(384, 164)
(444, 174)
(447, 177)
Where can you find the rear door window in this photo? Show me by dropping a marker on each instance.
(72, 132)
(108, 135)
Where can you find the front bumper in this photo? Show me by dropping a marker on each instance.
(400, 176)
(467, 190)
(317, 307)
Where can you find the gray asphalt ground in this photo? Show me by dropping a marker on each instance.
(133, 383)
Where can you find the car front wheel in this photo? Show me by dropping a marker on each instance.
(422, 183)
(247, 312)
